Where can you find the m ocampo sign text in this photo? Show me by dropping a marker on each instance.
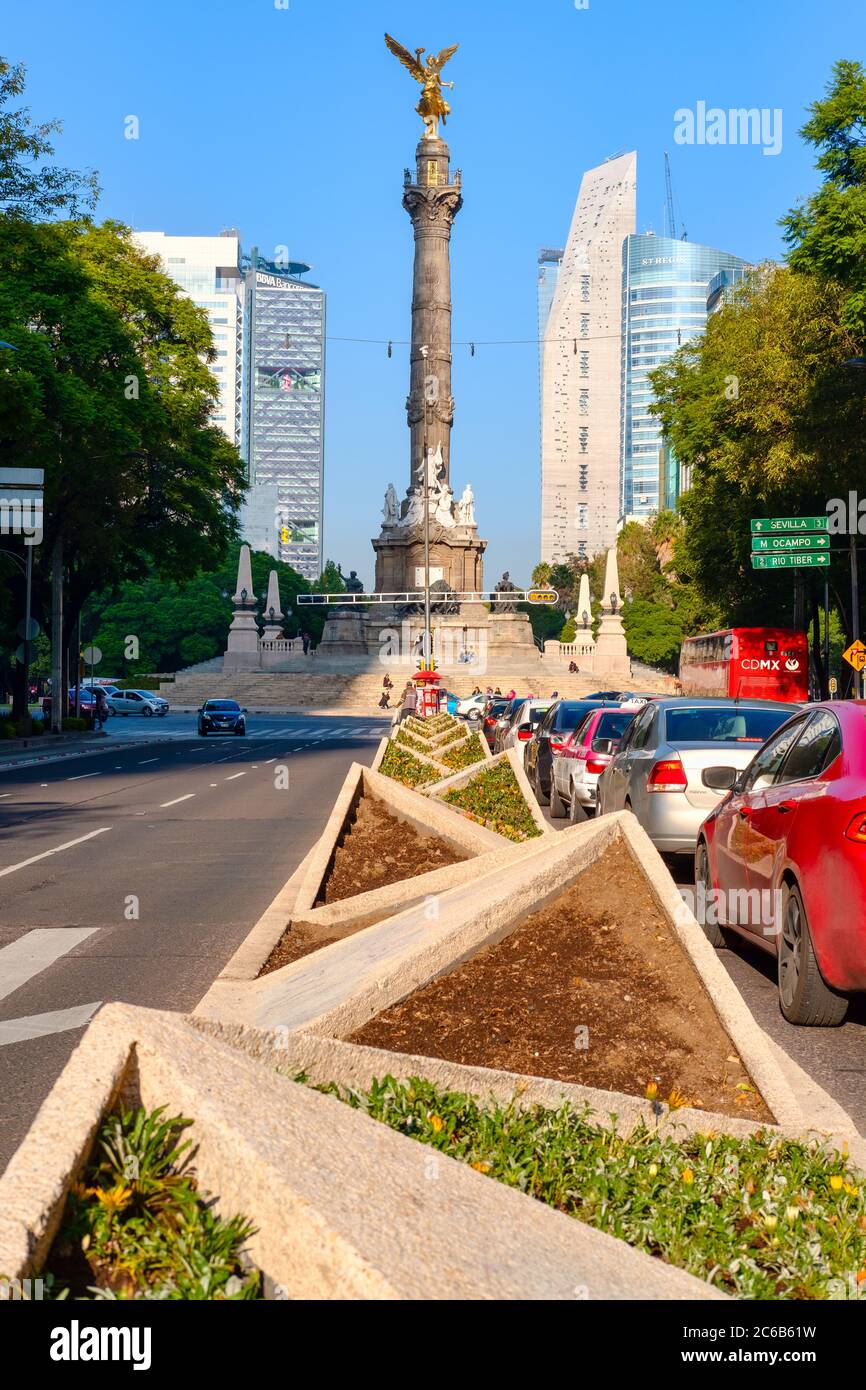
(779, 543)
(21, 504)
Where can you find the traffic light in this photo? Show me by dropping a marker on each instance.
(284, 535)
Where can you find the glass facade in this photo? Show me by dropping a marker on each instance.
(282, 438)
(665, 285)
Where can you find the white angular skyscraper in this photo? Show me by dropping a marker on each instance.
(581, 386)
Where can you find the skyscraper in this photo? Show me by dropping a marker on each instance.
(207, 268)
(581, 369)
(665, 288)
(283, 424)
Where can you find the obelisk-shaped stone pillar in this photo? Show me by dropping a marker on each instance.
(611, 652)
(432, 201)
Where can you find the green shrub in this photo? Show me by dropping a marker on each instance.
(137, 1226)
(761, 1217)
(399, 764)
(469, 752)
(37, 728)
(74, 726)
(8, 729)
(495, 799)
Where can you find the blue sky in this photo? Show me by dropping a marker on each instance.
(295, 124)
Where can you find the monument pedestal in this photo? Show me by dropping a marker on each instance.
(344, 633)
(455, 556)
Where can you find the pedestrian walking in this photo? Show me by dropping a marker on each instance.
(305, 642)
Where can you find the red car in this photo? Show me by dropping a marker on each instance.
(782, 859)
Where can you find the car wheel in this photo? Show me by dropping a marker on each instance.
(147, 712)
(540, 796)
(576, 813)
(239, 733)
(557, 805)
(704, 887)
(804, 997)
(202, 733)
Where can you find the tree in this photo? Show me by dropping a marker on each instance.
(772, 423)
(26, 191)
(110, 393)
(827, 235)
(177, 625)
(654, 633)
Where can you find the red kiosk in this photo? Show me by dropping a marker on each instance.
(427, 680)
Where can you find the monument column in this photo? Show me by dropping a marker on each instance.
(432, 201)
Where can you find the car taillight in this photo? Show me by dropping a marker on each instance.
(668, 775)
(524, 735)
(597, 764)
(857, 829)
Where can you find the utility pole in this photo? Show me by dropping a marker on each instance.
(58, 693)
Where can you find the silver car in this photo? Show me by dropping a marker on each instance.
(658, 770)
(143, 702)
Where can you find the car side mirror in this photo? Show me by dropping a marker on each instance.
(524, 728)
(720, 779)
(603, 745)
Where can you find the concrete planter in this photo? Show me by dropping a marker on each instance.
(345, 1207)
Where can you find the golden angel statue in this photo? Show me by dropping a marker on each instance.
(432, 105)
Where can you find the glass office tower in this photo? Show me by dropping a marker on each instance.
(283, 427)
(665, 285)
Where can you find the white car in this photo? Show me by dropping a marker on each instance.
(472, 707)
(524, 721)
(142, 702)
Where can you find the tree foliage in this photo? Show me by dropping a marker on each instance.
(26, 190)
(827, 234)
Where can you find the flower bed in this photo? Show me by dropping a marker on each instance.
(137, 1227)
(399, 764)
(760, 1218)
(451, 736)
(410, 741)
(494, 799)
(469, 752)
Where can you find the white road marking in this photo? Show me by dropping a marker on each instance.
(233, 776)
(148, 760)
(81, 776)
(177, 799)
(34, 952)
(270, 760)
(14, 1030)
(214, 784)
(4, 795)
(48, 852)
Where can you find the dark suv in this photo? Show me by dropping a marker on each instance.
(221, 716)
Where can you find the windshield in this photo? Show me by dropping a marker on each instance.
(613, 725)
(569, 716)
(222, 704)
(723, 724)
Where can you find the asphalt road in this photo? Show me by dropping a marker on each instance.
(835, 1057)
(133, 873)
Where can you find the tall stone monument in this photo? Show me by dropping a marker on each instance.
(432, 196)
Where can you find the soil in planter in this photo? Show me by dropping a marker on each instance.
(379, 849)
(601, 958)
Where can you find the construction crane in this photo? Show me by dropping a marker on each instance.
(670, 219)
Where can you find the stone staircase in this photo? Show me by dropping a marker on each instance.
(359, 692)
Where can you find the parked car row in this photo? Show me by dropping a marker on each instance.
(769, 797)
(125, 702)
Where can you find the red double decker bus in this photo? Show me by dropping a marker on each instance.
(752, 663)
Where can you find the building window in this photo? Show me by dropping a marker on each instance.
(584, 325)
(583, 438)
(584, 363)
(584, 289)
(583, 405)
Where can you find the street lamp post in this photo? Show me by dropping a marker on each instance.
(428, 640)
(856, 363)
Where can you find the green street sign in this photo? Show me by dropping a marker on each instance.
(813, 541)
(762, 525)
(792, 559)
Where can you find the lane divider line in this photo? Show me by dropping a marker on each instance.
(233, 776)
(81, 776)
(46, 854)
(176, 801)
